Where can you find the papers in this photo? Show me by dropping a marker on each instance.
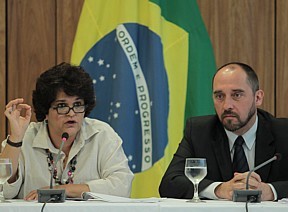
(284, 200)
(111, 198)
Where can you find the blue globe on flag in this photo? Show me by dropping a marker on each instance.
(131, 87)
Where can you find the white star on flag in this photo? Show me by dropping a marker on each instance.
(90, 59)
(115, 115)
(100, 62)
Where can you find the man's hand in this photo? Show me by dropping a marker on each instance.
(238, 182)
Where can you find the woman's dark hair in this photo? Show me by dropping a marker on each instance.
(73, 80)
(252, 77)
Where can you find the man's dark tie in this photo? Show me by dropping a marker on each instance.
(239, 160)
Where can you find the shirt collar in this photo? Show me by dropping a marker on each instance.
(43, 141)
(249, 137)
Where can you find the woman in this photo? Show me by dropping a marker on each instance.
(92, 158)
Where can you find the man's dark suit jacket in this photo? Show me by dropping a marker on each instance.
(204, 137)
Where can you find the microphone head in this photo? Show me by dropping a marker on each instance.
(65, 136)
(278, 156)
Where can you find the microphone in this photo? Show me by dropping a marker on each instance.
(64, 138)
(252, 195)
(53, 195)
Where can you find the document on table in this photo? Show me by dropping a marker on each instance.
(111, 198)
(284, 200)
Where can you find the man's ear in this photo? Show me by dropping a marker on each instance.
(259, 96)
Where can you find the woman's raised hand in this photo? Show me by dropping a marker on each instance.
(18, 123)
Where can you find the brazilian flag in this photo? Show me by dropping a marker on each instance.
(152, 65)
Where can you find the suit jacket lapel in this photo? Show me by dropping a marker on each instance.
(222, 153)
(264, 149)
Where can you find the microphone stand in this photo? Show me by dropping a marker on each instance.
(53, 195)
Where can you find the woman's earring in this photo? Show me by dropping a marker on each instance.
(46, 121)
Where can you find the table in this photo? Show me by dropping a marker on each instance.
(77, 206)
(167, 205)
(221, 206)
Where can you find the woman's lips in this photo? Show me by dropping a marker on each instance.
(70, 122)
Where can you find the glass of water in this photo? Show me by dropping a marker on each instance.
(195, 171)
(5, 174)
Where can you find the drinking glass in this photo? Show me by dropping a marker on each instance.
(195, 170)
(5, 174)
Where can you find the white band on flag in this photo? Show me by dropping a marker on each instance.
(130, 50)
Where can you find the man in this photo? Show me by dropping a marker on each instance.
(236, 96)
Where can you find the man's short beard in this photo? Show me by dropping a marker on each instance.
(234, 127)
